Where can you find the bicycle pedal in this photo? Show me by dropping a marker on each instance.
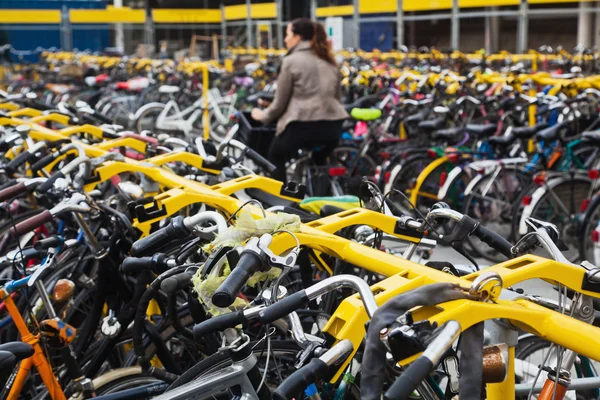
(58, 333)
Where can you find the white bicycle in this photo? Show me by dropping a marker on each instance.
(170, 118)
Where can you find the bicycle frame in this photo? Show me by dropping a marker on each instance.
(38, 360)
(182, 120)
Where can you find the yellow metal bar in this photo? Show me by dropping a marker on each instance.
(18, 16)
(257, 11)
(193, 160)
(484, 3)
(414, 195)
(186, 16)
(263, 11)
(9, 106)
(532, 120)
(504, 390)
(236, 12)
(111, 15)
(335, 11)
(205, 117)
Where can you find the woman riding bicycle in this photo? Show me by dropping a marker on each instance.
(306, 103)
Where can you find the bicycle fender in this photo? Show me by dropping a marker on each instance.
(143, 108)
(474, 182)
(414, 195)
(450, 181)
(395, 170)
(535, 199)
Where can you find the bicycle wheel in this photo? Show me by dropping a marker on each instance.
(403, 178)
(530, 353)
(127, 382)
(281, 363)
(427, 194)
(492, 202)
(147, 118)
(357, 164)
(560, 204)
(218, 127)
(591, 219)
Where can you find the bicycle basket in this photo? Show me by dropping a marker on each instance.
(255, 135)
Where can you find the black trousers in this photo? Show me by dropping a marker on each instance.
(297, 135)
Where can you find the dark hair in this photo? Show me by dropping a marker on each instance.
(315, 33)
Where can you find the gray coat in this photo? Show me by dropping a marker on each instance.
(308, 89)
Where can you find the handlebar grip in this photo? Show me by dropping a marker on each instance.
(156, 263)
(410, 379)
(54, 144)
(150, 244)
(283, 307)
(37, 105)
(294, 384)
(101, 117)
(218, 324)
(494, 240)
(47, 185)
(248, 264)
(42, 163)
(12, 191)
(16, 162)
(44, 244)
(176, 282)
(8, 184)
(30, 224)
(260, 161)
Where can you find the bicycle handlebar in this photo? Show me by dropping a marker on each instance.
(249, 263)
(31, 223)
(294, 384)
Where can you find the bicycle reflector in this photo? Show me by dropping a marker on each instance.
(526, 200)
(385, 155)
(595, 236)
(593, 174)
(443, 178)
(585, 205)
(432, 153)
(337, 171)
(539, 179)
(453, 157)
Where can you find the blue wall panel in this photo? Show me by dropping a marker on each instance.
(376, 35)
(47, 36)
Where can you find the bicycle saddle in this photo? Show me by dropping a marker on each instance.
(168, 89)
(432, 124)
(365, 114)
(19, 349)
(502, 140)
(267, 199)
(483, 130)
(526, 132)
(415, 118)
(328, 210)
(591, 137)
(449, 134)
(551, 133)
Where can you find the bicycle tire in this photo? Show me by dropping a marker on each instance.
(221, 359)
(572, 226)
(469, 208)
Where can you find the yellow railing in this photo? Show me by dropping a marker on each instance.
(113, 15)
